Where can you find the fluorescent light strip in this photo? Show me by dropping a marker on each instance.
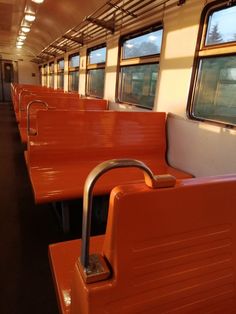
(37, 1)
(25, 29)
(29, 17)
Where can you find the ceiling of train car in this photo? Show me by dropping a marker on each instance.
(53, 18)
(62, 25)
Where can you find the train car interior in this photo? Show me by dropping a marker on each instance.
(118, 156)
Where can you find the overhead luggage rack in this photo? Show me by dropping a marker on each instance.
(109, 18)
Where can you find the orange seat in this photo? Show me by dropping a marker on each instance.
(54, 102)
(19, 90)
(170, 250)
(68, 145)
(25, 96)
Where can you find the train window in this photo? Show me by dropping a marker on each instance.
(97, 56)
(74, 72)
(214, 88)
(60, 74)
(221, 26)
(139, 66)
(45, 75)
(95, 85)
(143, 45)
(96, 71)
(60, 64)
(74, 61)
(41, 75)
(51, 74)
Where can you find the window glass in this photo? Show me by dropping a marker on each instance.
(138, 84)
(73, 81)
(51, 80)
(45, 68)
(143, 45)
(41, 75)
(221, 26)
(51, 67)
(74, 61)
(95, 85)
(97, 56)
(214, 84)
(216, 89)
(138, 74)
(60, 65)
(60, 80)
(45, 77)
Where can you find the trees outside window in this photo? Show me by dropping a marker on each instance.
(139, 66)
(213, 94)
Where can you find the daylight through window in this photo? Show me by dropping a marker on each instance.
(96, 71)
(139, 66)
(215, 83)
(73, 76)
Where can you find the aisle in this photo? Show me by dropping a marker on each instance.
(25, 231)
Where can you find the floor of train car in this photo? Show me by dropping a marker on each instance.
(26, 230)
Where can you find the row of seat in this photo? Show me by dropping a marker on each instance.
(65, 145)
(169, 242)
(65, 140)
(39, 98)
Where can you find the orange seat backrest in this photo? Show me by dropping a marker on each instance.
(171, 250)
(46, 96)
(18, 88)
(97, 135)
(64, 102)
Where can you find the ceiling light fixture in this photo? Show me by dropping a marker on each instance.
(38, 1)
(22, 37)
(25, 29)
(29, 17)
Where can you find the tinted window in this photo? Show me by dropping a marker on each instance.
(216, 90)
(73, 80)
(97, 56)
(60, 80)
(95, 85)
(51, 80)
(60, 65)
(74, 61)
(138, 84)
(221, 26)
(143, 45)
(51, 67)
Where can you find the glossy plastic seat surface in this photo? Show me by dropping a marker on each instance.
(171, 250)
(69, 145)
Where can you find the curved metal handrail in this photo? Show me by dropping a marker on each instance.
(151, 180)
(28, 111)
(20, 95)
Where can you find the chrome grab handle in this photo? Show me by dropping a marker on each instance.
(28, 111)
(20, 95)
(91, 266)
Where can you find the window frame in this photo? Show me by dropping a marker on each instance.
(45, 75)
(95, 66)
(60, 72)
(132, 61)
(40, 75)
(204, 52)
(51, 73)
(73, 69)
